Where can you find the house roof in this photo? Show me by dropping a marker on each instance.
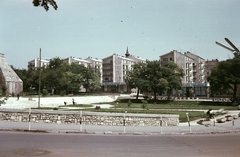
(8, 73)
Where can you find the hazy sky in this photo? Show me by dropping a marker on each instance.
(100, 28)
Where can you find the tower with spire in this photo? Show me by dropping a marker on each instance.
(127, 53)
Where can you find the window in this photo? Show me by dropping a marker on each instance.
(165, 59)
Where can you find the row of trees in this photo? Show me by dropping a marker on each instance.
(153, 78)
(60, 78)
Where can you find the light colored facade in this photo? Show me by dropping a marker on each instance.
(181, 60)
(9, 78)
(96, 64)
(71, 60)
(193, 67)
(115, 68)
(33, 64)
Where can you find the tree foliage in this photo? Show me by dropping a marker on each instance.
(135, 77)
(60, 77)
(152, 78)
(225, 78)
(45, 4)
(173, 74)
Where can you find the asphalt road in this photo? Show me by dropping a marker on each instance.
(17, 144)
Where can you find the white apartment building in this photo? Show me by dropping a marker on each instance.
(81, 61)
(36, 63)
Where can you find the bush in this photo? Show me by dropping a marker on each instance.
(55, 108)
(45, 92)
(97, 107)
(129, 103)
(144, 104)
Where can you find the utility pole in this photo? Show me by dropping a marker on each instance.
(39, 90)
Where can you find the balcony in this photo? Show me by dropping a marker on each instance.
(107, 74)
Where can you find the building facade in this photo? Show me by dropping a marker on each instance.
(209, 64)
(96, 64)
(114, 71)
(9, 79)
(36, 63)
(194, 82)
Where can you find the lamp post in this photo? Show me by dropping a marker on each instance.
(39, 90)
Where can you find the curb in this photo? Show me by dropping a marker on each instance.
(120, 133)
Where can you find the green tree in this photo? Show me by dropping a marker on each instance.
(225, 77)
(24, 75)
(135, 77)
(53, 77)
(173, 74)
(91, 79)
(153, 74)
(45, 3)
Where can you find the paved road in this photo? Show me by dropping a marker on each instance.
(15, 144)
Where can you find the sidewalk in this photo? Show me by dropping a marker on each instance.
(183, 128)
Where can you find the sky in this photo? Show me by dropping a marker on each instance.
(101, 28)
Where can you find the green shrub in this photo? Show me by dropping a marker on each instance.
(97, 107)
(55, 108)
(129, 102)
(44, 92)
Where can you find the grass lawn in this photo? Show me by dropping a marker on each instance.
(195, 109)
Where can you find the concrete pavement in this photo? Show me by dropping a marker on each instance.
(32, 102)
(227, 127)
(183, 128)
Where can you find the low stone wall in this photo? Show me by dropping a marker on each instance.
(89, 118)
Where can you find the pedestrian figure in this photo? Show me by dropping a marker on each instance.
(210, 114)
(17, 96)
(73, 101)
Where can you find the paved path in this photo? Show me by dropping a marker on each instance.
(23, 103)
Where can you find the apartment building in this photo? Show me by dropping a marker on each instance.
(36, 63)
(81, 61)
(96, 64)
(209, 64)
(193, 66)
(115, 68)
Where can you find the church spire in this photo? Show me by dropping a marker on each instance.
(127, 53)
